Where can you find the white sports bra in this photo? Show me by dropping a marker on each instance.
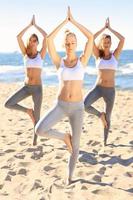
(107, 64)
(36, 62)
(71, 73)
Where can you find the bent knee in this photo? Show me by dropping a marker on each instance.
(86, 103)
(8, 104)
(87, 107)
(40, 130)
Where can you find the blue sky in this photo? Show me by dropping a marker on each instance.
(15, 15)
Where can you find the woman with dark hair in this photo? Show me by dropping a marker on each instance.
(106, 63)
(33, 61)
(70, 101)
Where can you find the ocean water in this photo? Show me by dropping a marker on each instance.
(12, 70)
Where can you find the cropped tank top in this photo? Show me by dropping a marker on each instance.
(36, 62)
(107, 64)
(71, 73)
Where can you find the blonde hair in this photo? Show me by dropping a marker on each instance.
(28, 49)
(101, 51)
(66, 34)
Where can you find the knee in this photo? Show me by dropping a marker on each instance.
(40, 129)
(86, 104)
(8, 104)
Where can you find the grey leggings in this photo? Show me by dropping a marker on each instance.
(108, 95)
(27, 90)
(74, 111)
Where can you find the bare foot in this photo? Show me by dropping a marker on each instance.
(68, 142)
(103, 119)
(31, 114)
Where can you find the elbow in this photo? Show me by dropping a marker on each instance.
(123, 39)
(18, 37)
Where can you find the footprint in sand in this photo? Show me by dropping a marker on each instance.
(48, 168)
(10, 120)
(37, 184)
(102, 170)
(44, 139)
(90, 142)
(8, 178)
(84, 187)
(118, 138)
(3, 136)
(95, 143)
(23, 143)
(97, 178)
(20, 156)
(5, 167)
(22, 171)
(11, 173)
(18, 133)
(90, 123)
(84, 131)
(103, 155)
(124, 132)
(95, 151)
(58, 157)
(1, 186)
(5, 193)
(10, 150)
(96, 191)
(131, 142)
(129, 174)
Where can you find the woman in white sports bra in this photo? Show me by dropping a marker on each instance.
(106, 63)
(33, 61)
(70, 103)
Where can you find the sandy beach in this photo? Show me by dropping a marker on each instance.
(39, 172)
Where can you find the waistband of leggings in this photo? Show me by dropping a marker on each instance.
(103, 87)
(33, 86)
(79, 103)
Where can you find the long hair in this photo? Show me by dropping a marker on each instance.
(101, 51)
(28, 49)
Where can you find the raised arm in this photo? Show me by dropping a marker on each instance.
(89, 44)
(51, 46)
(20, 40)
(121, 40)
(44, 34)
(95, 48)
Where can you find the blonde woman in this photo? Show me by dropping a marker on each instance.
(33, 60)
(70, 104)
